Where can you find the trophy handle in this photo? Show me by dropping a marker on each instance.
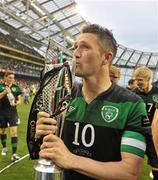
(46, 170)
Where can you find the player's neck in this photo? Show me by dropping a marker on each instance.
(91, 89)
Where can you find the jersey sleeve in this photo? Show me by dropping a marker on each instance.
(137, 129)
(133, 142)
(2, 88)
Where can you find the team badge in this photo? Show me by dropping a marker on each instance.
(13, 89)
(155, 98)
(109, 113)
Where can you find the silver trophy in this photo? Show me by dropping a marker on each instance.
(46, 170)
(59, 88)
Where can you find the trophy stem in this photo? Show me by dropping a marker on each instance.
(46, 170)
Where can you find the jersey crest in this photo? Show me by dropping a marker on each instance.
(155, 98)
(13, 89)
(109, 113)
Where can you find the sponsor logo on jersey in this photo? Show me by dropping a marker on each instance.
(109, 113)
(155, 98)
(145, 121)
(71, 108)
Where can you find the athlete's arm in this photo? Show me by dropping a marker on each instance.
(128, 168)
(155, 130)
(2, 94)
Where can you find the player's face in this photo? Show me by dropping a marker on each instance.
(87, 55)
(9, 79)
(142, 82)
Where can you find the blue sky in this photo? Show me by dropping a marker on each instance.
(134, 22)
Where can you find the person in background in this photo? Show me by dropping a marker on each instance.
(149, 93)
(155, 129)
(103, 135)
(114, 74)
(26, 95)
(131, 84)
(9, 99)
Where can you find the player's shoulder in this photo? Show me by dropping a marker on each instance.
(123, 94)
(2, 86)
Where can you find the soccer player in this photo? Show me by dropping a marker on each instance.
(103, 135)
(155, 129)
(149, 93)
(131, 84)
(9, 99)
(114, 74)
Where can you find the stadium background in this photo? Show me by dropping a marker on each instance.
(27, 27)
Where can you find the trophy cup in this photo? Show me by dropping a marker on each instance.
(54, 99)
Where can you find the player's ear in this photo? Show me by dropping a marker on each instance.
(107, 58)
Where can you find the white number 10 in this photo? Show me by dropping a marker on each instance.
(83, 135)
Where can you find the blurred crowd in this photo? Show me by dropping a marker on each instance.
(14, 43)
(20, 67)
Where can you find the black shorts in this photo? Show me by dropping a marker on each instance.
(8, 117)
(151, 153)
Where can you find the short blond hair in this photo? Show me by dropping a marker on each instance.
(144, 72)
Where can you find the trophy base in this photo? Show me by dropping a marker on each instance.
(45, 170)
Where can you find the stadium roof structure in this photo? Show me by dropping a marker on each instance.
(35, 23)
(128, 59)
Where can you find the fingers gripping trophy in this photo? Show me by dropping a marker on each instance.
(52, 97)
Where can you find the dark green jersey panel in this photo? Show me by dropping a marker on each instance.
(150, 99)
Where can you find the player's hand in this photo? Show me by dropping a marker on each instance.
(7, 89)
(13, 104)
(53, 148)
(45, 125)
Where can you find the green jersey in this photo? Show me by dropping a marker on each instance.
(112, 123)
(150, 99)
(4, 102)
